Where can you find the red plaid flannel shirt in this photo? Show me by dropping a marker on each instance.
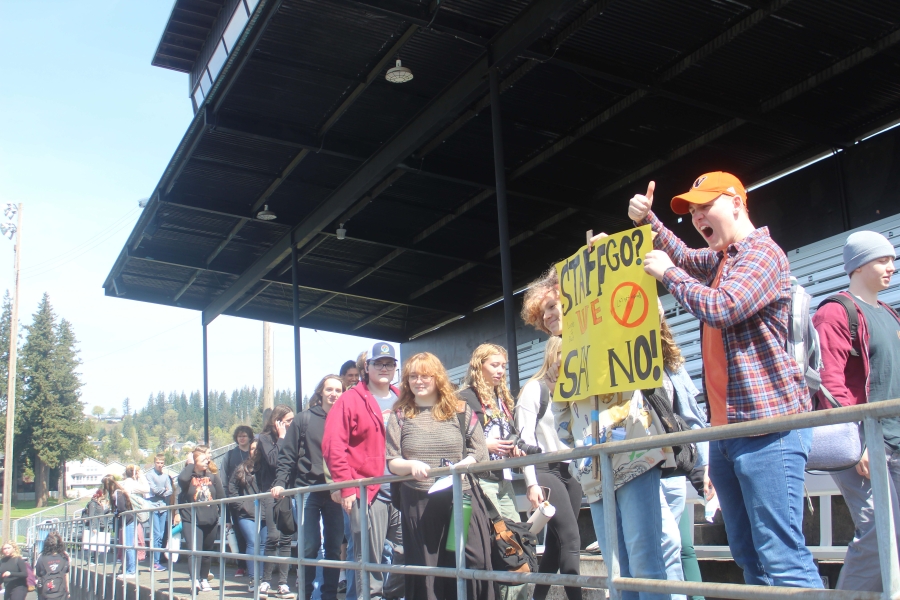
(750, 306)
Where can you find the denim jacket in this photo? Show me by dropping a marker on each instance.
(690, 411)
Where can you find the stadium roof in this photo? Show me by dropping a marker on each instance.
(598, 97)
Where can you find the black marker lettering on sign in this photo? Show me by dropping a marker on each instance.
(640, 355)
(638, 237)
(571, 376)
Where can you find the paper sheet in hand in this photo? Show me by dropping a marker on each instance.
(441, 484)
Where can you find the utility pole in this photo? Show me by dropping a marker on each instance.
(268, 369)
(11, 382)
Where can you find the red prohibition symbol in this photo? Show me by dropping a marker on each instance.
(626, 319)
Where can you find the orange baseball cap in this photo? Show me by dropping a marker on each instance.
(707, 188)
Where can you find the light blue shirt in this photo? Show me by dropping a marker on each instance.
(685, 404)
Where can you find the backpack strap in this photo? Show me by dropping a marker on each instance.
(852, 319)
(542, 407)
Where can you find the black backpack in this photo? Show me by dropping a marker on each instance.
(53, 569)
(685, 454)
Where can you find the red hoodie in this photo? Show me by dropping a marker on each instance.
(845, 376)
(353, 443)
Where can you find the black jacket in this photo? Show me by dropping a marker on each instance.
(243, 508)
(300, 462)
(119, 504)
(233, 460)
(269, 450)
(17, 573)
(197, 488)
(95, 509)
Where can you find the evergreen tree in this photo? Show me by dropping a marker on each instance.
(51, 421)
(126, 407)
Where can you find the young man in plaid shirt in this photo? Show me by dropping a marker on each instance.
(739, 288)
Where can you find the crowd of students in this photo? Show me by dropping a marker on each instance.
(359, 425)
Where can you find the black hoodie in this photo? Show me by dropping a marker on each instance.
(197, 487)
(300, 462)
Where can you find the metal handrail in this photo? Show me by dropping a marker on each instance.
(867, 413)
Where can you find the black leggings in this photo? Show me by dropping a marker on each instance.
(207, 535)
(277, 544)
(562, 547)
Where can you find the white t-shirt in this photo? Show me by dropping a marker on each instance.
(386, 404)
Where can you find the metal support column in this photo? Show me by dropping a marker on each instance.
(509, 314)
(884, 516)
(295, 286)
(205, 389)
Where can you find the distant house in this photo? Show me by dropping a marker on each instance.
(83, 476)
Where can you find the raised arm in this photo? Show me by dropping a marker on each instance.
(287, 457)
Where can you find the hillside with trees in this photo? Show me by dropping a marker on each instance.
(172, 418)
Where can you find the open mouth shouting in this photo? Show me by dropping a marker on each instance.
(706, 231)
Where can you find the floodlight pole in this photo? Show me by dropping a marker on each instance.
(509, 314)
(11, 387)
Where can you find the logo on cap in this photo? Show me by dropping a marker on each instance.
(384, 348)
(699, 181)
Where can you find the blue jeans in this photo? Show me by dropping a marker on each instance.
(672, 493)
(319, 506)
(351, 575)
(759, 482)
(130, 554)
(159, 530)
(247, 527)
(639, 515)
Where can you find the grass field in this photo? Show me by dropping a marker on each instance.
(23, 508)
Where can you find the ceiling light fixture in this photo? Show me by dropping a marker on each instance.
(399, 74)
(266, 215)
(341, 232)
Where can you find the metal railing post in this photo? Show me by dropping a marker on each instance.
(153, 563)
(171, 559)
(363, 512)
(134, 547)
(458, 534)
(884, 515)
(222, 536)
(300, 502)
(192, 561)
(610, 522)
(256, 550)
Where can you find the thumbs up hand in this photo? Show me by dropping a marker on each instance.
(640, 204)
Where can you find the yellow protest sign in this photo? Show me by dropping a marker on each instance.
(610, 340)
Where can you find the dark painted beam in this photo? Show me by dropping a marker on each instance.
(809, 83)
(389, 298)
(530, 24)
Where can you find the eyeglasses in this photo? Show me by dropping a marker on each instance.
(384, 366)
(422, 378)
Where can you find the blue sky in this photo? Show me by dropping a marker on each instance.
(87, 126)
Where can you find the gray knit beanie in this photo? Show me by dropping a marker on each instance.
(865, 246)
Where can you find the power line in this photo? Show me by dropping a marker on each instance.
(138, 343)
(79, 251)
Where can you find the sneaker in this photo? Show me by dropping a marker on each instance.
(342, 586)
(264, 589)
(250, 587)
(204, 586)
(240, 573)
(124, 576)
(284, 591)
(158, 567)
